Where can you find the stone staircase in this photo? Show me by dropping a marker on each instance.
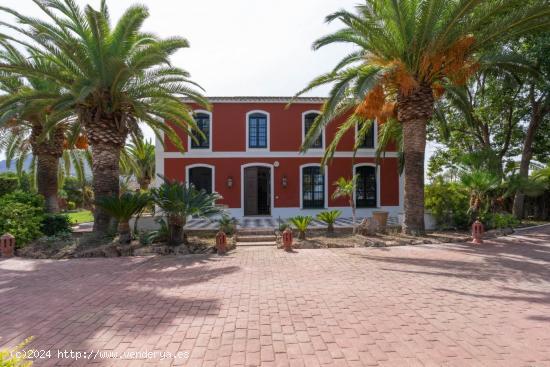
(256, 237)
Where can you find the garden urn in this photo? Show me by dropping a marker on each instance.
(221, 242)
(477, 232)
(7, 245)
(382, 219)
(287, 239)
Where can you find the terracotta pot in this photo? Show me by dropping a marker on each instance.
(382, 219)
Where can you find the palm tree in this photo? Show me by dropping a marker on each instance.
(123, 208)
(480, 184)
(346, 188)
(138, 159)
(178, 201)
(25, 122)
(112, 76)
(408, 51)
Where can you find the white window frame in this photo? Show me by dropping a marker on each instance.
(301, 168)
(268, 137)
(272, 174)
(377, 172)
(203, 165)
(369, 150)
(189, 139)
(304, 131)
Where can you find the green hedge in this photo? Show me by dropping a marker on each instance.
(8, 183)
(22, 216)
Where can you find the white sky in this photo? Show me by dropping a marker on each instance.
(239, 47)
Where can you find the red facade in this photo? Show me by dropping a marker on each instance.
(229, 155)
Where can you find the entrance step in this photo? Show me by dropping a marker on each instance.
(256, 232)
(255, 238)
(264, 243)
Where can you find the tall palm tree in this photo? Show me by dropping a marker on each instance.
(25, 120)
(112, 75)
(408, 51)
(138, 159)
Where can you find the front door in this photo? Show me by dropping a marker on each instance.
(257, 191)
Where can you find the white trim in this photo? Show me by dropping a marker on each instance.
(378, 183)
(159, 159)
(368, 150)
(262, 153)
(301, 188)
(272, 174)
(189, 146)
(248, 149)
(271, 99)
(212, 169)
(322, 149)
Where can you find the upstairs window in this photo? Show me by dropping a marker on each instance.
(309, 118)
(313, 188)
(368, 140)
(203, 123)
(257, 130)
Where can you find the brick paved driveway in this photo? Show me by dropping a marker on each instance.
(452, 305)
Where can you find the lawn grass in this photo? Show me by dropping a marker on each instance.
(81, 217)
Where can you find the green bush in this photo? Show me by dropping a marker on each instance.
(21, 220)
(23, 217)
(15, 357)
(448, 203)
(71, 205)
(329, 218)
(25, 197)
(8, 183)
(498, 220)
(54, 224)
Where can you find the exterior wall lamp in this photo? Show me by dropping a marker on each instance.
(284, 181)
(230, 182)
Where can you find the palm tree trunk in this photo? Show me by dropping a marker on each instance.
(353, 215)
(46, 181)
(47, 150)
(414, 111)
(105, 169)
(124, 233)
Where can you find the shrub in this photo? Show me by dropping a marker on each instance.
(71, 205)
(329, 218)
(54, 224)
(123, 208)
(25, 197)
(8, 183)
(301, 223)
(21, 220)
(448, 203)
(228, 224)
(498, 220)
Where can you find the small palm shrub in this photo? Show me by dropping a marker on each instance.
(329, 218)
(123, 208)
(179, 201)
(228, 224)
(301, 223)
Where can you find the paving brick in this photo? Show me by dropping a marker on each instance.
(433, 305)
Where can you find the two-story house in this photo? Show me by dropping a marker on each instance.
(250, 155)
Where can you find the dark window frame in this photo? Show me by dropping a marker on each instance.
(364, 187)
(258, 129)
(309, 118)
(204, 123)
(313, 191)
